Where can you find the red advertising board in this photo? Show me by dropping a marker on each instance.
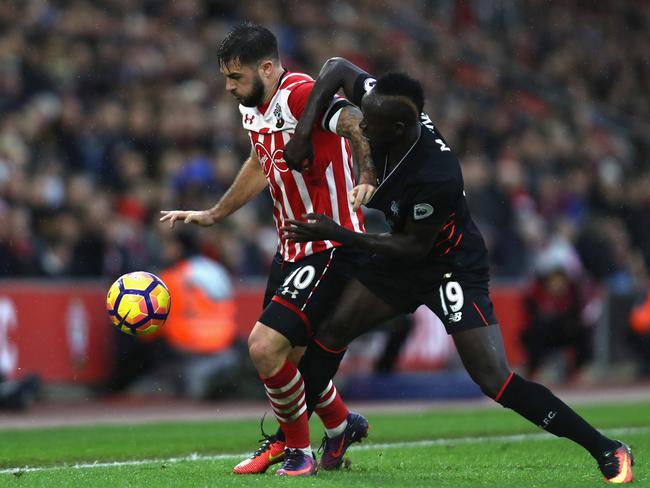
(60, 330)
(57, 330)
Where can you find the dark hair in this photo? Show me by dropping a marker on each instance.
(247, 43)
(188, 242)
(402, 85)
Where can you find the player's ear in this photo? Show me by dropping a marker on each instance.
(265, 68)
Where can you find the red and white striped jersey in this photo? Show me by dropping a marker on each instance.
(324, 187)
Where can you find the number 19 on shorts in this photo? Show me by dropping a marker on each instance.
(452, 301)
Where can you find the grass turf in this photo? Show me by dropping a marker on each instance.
(530, 462)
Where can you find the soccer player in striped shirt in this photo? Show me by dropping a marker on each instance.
(305, 278)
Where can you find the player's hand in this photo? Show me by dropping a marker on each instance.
(360, 195)
(200, 217)
(299, 153)
(316, 227)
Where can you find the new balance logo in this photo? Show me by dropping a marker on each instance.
(455, 317)
(248, 119)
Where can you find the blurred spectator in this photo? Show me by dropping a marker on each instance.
(196, 353)
(554, 308)
(640, 328)
(112, 110)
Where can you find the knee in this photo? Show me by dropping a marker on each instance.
(266, 357)
(491, 379)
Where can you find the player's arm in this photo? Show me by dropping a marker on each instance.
(347, 125)
(336, 73)
(250, 181)
(412, 243)
(432, 204)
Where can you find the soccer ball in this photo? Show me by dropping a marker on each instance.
(138, 303)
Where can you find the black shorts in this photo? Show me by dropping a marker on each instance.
(299, 295)
(461, 303)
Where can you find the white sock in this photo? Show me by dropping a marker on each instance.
(338, 430)
(307, 451)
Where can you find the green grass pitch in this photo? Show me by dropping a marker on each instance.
(438, 448)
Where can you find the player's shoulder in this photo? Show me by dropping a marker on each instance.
(434, 162)
(292, 80)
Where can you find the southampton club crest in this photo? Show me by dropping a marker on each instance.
(277, 113)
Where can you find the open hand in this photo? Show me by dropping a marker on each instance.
(316, 227)
(200, 217)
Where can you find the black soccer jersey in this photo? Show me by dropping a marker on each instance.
(426, 186)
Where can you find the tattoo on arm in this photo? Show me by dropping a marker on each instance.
(348, 127)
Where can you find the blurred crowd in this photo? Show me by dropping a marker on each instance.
(111, 110)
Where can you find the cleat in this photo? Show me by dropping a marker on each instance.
(297, 463)
(616, 465)
(334, 449)
(270, 452)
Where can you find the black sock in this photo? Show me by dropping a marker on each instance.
(537, 404)
(317, 368)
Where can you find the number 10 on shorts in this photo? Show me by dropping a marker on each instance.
(451, 298)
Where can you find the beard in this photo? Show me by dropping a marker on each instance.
(256, 96)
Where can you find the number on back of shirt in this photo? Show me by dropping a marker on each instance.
(443, 146)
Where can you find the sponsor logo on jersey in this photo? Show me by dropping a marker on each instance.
(248, 119)
(422, 211)
(269, 161)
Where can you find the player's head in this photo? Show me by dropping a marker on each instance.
(179, 245)
(249, 59)
(391, 108)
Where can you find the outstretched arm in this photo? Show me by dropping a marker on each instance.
(413, 243)
(250, 181)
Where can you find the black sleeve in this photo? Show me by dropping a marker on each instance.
(331, 114)
(433, 203)
(362, 85)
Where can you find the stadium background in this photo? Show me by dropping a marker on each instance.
(113, 110)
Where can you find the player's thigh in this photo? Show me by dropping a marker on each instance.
(305, 292)
(357, 311)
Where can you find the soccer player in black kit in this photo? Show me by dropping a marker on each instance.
(433, 256)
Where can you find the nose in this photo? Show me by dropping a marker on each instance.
(230, 85)
(363, 125)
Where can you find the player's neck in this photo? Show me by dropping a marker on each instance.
(273, 85)
(398, 150)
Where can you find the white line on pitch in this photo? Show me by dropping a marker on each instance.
(364, 447)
